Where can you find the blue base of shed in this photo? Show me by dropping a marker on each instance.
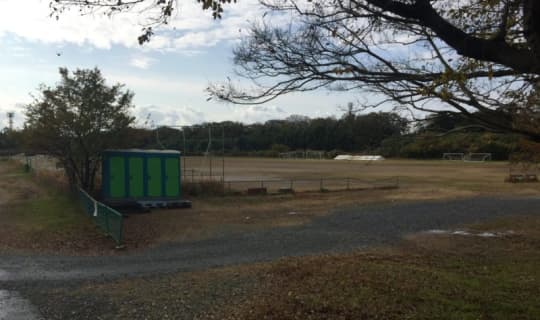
(134, 206)
(165, 203)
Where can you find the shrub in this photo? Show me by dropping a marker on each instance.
(432, 146)
(203, 188)
(55, 180)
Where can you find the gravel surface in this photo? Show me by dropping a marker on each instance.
(345, 230)
(13, 307)
(342, 231)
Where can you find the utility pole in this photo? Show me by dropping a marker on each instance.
(210, 148)
(223, 153)
(11, 116)
(184, 151)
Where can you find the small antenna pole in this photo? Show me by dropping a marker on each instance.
(11, 116)
(210, 148)
(223, 153)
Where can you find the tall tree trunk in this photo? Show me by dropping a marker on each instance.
(531, 13)
(86, 175)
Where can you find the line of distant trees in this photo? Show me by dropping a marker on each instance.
(451, 132)
(382, 133)
(349, 133)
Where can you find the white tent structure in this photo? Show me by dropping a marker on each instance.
(359, 158)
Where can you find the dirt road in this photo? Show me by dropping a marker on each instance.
(342, 231)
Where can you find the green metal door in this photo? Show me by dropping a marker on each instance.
(136, 187)
(172, 176)
(117, 182)
(154, 177)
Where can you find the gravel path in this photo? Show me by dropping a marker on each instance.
(35, 276)
(343, 231)
(13, 307)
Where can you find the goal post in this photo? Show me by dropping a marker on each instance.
(299, 154)
(467, 157)
(314, 154)
(478, 157)
(454, 156)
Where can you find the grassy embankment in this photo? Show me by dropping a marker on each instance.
(37, 216)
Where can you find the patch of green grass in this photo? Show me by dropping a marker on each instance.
(36, 215)
(40, 207)
(54, 212)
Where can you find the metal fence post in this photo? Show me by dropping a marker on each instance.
(101, 215)
(120, 232)
(107, 223)
(183, 160)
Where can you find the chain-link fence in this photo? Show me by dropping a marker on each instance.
(38, 162)
(257, 186)
(108, 219)
(313, 184)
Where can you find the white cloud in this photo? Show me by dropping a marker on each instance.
(151, 116)
(254, 114)
(18, 51)
(30, 20)
(191, 29)
(159, 84)
(141, 62)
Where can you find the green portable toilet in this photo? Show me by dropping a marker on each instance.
(151, 178)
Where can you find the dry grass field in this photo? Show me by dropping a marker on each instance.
(414, 175)
(419, 181)
(214, 215)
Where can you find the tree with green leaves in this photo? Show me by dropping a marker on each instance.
(77, 119)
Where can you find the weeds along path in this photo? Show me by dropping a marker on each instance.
(345, 230)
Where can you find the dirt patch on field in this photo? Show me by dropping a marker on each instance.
(83, 242)
(212, 217)
(422, 193)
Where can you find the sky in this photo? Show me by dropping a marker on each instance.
(167, 75)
